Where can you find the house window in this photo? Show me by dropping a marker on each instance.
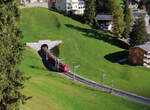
(140, 53)
(140, 57)
(133, 51)
(140, 62)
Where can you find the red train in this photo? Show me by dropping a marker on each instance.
(57, 63)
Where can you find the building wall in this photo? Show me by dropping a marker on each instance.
(61, 5)
(36, 4)
(74, 6)
(31, 1)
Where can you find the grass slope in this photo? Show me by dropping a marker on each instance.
(51, 91)
(94, 51)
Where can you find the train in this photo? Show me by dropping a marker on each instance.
(55, 62)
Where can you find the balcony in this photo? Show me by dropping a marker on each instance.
(147, 55)
(147, 65)
(146, 60)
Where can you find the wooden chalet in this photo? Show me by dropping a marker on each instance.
(105, 21)
(133, 4)
(140, 54)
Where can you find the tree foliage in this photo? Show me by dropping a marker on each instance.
(128, 19)
(146, 3)
(104, 6)
(89, 13)
(11, 49)
(118, 18)
(112, 7)
(139, 34)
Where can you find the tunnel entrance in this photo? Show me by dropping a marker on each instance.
(55, 51)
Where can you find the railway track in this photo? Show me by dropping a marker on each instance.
(98, 86)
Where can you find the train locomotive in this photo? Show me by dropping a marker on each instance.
(55, 62)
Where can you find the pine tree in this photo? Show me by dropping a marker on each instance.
(128, 19)
(139, 34)
(90, 12)
(112, 7)
(118, 19)
(11, 50)
(105, 6)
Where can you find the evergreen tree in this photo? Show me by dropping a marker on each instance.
(148, 7)
(106, 6)
(90, 11)
(139, 34)
(128, 19)
(11, 49)
(118, 19)
(103, 6)
(112, 7)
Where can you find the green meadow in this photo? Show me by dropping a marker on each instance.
(50, 91)
(94, 50)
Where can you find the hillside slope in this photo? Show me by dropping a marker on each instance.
(94, 50)
(50, 91)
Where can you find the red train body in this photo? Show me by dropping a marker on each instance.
(53, 60)
(62, 67)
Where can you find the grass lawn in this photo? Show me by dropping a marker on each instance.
(51, 91)
(95, 51)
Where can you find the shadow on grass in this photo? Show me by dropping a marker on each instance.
(72, 16)
(93, 33)
(46, 62)
(117, 57)
(36, 67)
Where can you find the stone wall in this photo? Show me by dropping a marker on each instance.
(37, 4)
(37, 45)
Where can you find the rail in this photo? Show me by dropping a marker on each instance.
(121, 93)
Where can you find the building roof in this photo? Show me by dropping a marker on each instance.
(103, 17)
(145, 46)
(132, 1)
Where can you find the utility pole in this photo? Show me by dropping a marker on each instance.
(74, 69)
(111, 85)
(73, 63)
(103, 76)
(58, 63)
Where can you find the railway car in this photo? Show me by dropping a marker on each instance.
(64, 67)
(54, 60)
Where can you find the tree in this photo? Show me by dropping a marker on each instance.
(148, 7)
(103, 6)
(112, 7)
(106, 6)
(128, 19)
(118, 19)
(139, 34)
(90, 12)
(11, 50)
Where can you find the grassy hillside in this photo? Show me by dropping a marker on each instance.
(95, 51)
(50, 91)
